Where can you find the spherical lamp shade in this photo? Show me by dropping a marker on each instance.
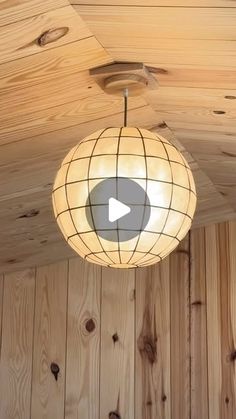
(150, 161)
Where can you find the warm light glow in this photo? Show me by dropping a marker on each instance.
(144, 157)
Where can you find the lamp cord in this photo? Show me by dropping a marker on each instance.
(125, 106)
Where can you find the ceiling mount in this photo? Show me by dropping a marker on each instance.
(114, 78)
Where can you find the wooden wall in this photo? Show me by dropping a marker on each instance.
(158, 343)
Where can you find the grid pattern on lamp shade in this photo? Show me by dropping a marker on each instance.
(144, 157)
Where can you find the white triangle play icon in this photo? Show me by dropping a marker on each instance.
(117, 210)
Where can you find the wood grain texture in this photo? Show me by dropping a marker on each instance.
(180, 331)
(193, 53)
(13, 46)
(17, 345)
(62, 116)
(158, 3)
(152, 368)
(213, 324)
(157, 23)
(180, 312)
(198, 325)
(1, 308)
(49, 341)
(117, 344)
(14, 10)
(224, 297)
(83, 341)
(53, 64)
(227, 285)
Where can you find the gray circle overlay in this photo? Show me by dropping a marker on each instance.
(129, 193)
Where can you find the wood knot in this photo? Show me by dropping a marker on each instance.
(156, 70)
(11, 261)
(227, 153)
(219, 112)
(30, 214)
(197, 303)
(132, 295)
(230, 97)
(164, 398)
(227, 400)
(149, 403)
(114, 415)
(55, 370)
(162, 125)
(90, 325)
(52, 35)
(183, 252)
(148, 347)
(233, 356)
(115, 337)
(223, 193)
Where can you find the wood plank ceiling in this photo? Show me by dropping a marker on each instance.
(48, 102)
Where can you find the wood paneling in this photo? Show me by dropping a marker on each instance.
(1, 306)
(48, 394)
(198, 326)
(15, 128)
(17, 343)
(156, 23)
(14, 10)
(30, 30)
(152, 366)
(83, 341)
(152, 343)
(180, 331)
(117, 344)
(157, 3)
(54, 65)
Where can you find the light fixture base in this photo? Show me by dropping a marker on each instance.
(114, 78)
(115, 85)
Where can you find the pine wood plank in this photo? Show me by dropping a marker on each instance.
(232, 304)
(13, 46)
(215, 154)
(213, 324)
(199, 365)
(117, 344)
(16, 128)
(158, 3)
(180, 331)
(152, 368)
(210, 77)
(227, 286)
(12, 10)
(42, 155)
(1, 308)
(54, 63)
(51, 248)
(144, 26)
(83, 340)
(44, 95)
(186, 52)
(49, 341)
(177, 97)
(17, 345)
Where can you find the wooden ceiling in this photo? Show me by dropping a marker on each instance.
(49, 102)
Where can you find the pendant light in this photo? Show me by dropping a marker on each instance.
(146, 161)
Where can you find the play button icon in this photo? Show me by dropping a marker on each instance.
(117, 209)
